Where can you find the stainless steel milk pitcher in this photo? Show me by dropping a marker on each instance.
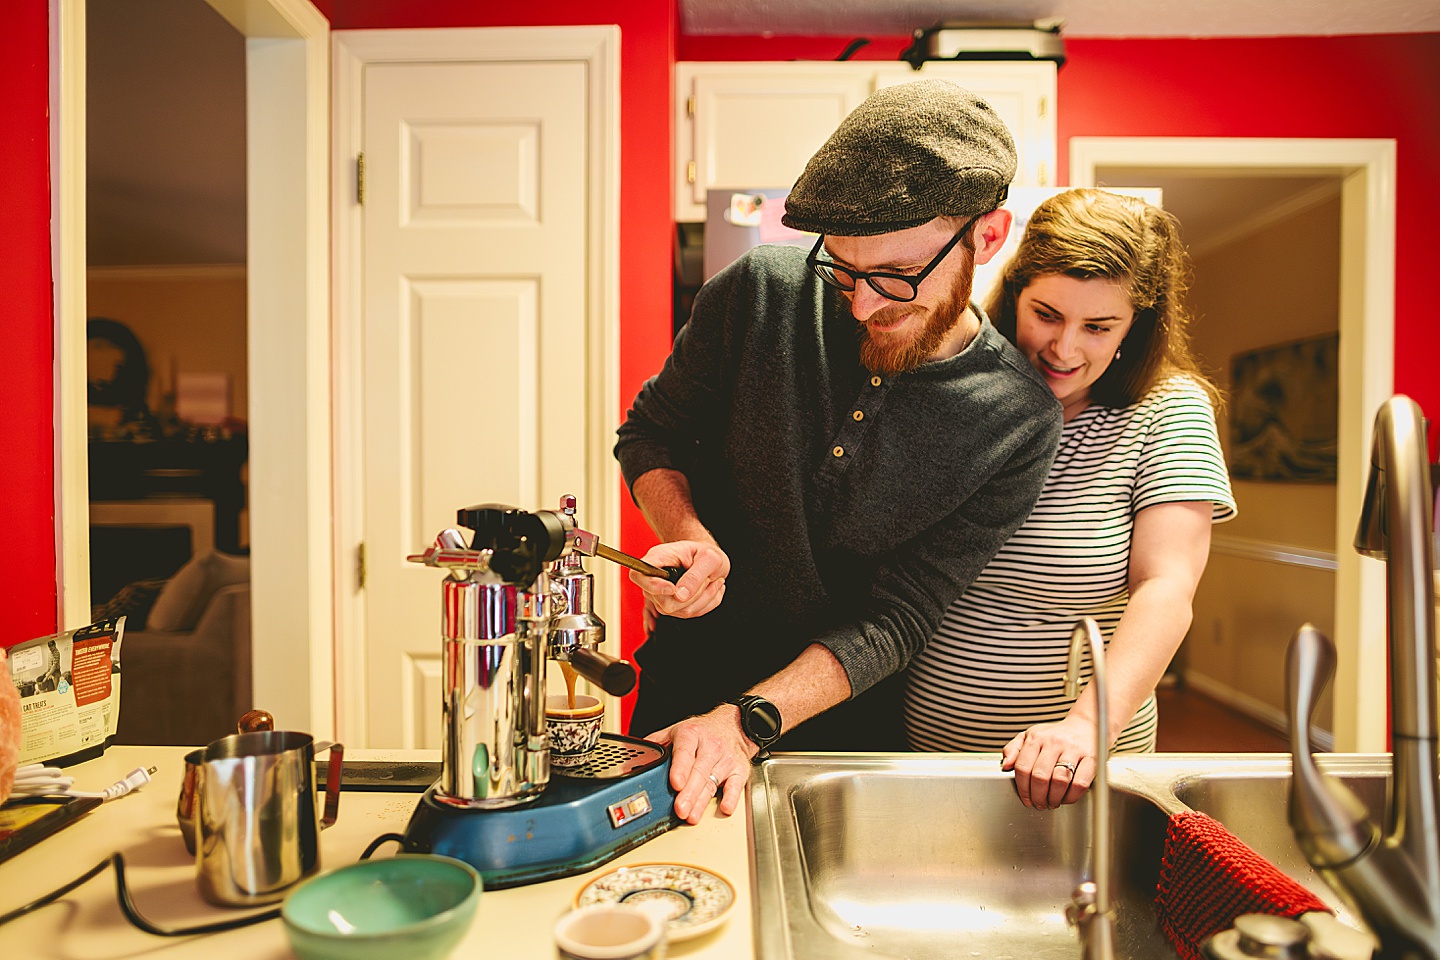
(257, 826)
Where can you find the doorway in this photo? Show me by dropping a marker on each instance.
(166, 360)
(287, 342)
(1286, 559)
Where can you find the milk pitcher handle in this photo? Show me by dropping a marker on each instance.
(332, 782)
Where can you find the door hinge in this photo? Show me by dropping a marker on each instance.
(360, 565)
(360, 184)
(690, 172)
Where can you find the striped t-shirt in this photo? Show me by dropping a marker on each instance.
(996, 664)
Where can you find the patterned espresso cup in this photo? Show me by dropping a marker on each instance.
(574, 730)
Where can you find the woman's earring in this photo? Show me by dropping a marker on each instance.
(1117, 353)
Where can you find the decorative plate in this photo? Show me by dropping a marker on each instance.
(699, 900)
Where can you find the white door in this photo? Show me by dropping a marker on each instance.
(475, 310)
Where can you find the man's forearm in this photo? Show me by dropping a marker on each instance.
(664, 498)
(813, 683)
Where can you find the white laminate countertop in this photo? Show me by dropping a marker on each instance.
(513, 924)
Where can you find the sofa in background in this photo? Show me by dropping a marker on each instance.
(185, 655)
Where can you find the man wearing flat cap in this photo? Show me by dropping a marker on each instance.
(838, 443)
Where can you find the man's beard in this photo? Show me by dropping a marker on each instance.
(892, 353)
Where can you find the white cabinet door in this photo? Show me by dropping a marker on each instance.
(757, 128)
(1022, 93)
(742, 126)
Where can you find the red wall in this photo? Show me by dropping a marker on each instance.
(27, 431)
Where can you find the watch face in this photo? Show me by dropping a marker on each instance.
(762, 721)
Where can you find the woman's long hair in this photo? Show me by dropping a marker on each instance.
(1092, 234)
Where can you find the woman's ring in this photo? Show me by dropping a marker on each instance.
(1067, 766)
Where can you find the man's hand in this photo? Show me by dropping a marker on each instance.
(699, 591)
(709, 756)
(1054, 763)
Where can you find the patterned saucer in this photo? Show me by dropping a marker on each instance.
(698, 900)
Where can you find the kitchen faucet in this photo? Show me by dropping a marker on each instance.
(1392, 879)
(1090, 911)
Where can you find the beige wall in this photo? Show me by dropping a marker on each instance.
(188, 319)
(1277, 284)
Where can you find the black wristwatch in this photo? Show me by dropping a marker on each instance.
(760, 720)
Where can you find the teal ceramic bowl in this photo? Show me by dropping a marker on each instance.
(410, 905)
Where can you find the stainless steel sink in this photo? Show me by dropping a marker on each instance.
(932, 856)
(1250, 796)
(929, 856)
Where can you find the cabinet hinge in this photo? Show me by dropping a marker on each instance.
(360, 565)
(1042, 175)
(691, 173)
(690, 106)
(1043, 106)
(360, 184)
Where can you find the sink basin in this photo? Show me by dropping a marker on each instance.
(1251, 796)
(932, 856)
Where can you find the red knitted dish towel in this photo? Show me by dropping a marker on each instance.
(1208, 877)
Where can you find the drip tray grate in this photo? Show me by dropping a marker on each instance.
(614, 757)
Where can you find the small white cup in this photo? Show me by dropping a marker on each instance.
(610, 931)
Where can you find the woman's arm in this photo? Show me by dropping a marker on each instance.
(1169, 546)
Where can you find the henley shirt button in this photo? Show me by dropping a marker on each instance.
(858, 415)
(838, 451)
(875, 381)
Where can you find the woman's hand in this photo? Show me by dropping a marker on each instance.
(699, 591)
(1054, 763)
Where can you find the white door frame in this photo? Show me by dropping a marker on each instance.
(598, 47)
(288, 258)
(1367, 365)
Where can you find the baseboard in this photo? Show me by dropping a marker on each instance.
(1256, 710)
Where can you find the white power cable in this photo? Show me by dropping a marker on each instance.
(38, 780)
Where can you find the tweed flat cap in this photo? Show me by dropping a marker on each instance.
(908, 154)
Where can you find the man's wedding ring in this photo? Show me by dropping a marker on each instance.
(716, 782)
(1067, 766)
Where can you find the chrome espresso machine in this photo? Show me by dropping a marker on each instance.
(517, 596)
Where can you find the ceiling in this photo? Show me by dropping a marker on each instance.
(1082, 18)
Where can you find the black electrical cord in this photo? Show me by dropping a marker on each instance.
(132, 913)
(380, 841)
(53, 895)
(850, 49)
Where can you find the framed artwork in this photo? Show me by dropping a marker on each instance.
(1284, 412)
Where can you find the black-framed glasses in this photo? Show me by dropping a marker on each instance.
(891, 286)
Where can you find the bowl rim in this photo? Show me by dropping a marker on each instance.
(410, 929)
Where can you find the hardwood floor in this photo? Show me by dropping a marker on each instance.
(1191, 722)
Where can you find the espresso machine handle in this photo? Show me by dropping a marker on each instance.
(615, 677)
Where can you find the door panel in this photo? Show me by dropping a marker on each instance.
(475, 335)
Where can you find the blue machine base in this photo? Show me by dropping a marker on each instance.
(570, 829)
